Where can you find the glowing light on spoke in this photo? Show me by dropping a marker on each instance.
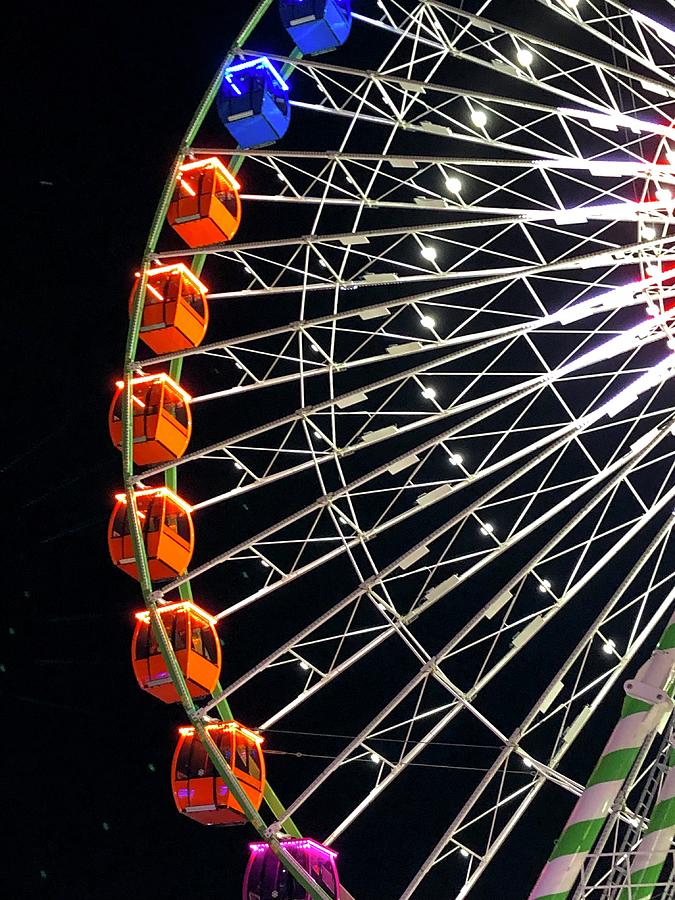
(487, 529)
(453, 185)
(609, 647)
(479, 118)
(429, 253)
(428, 393)
(525, 57)
(651, 379)
(428, 322)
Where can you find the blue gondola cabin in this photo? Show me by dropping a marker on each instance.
(316, 26)
(253, 103)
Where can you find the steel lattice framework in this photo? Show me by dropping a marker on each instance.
(435, 422)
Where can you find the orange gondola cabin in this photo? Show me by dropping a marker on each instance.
(168, 533)
(162, 419)
(175, 310)
(192, 634)
(205, 208)
(199, 791)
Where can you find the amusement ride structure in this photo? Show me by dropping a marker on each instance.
(400, 374)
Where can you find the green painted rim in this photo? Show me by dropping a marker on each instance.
(150, 600)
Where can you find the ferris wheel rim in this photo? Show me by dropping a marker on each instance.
(148, 258)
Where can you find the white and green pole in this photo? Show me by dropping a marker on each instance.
(648, 703)
(657, 843)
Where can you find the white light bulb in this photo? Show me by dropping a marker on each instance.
(428, 322)
(428, 393)
(453, 185)
(525, 57)
(304, 666)
(238, 466)
(428, 253)
(456, 459)
(527, 762)
(648, 233)
(479, 118)
(464, 852)
(609, 646)
(374, 757)
(545, 585)
(323, 263)
(487, 528)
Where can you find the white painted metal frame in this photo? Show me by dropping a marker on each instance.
(462, 327)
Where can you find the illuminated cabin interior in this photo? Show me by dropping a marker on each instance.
(267, 879)
(175, 310)
(253, 103)
(162, 419)
(199, 791)
(205, 208)
(192, 634)
(316, 26)
(168, 533)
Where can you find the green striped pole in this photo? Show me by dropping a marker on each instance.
(657, 843)
(647, 704)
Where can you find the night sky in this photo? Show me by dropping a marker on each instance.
(104, 97)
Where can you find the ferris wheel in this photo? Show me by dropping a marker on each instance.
(400, 372)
